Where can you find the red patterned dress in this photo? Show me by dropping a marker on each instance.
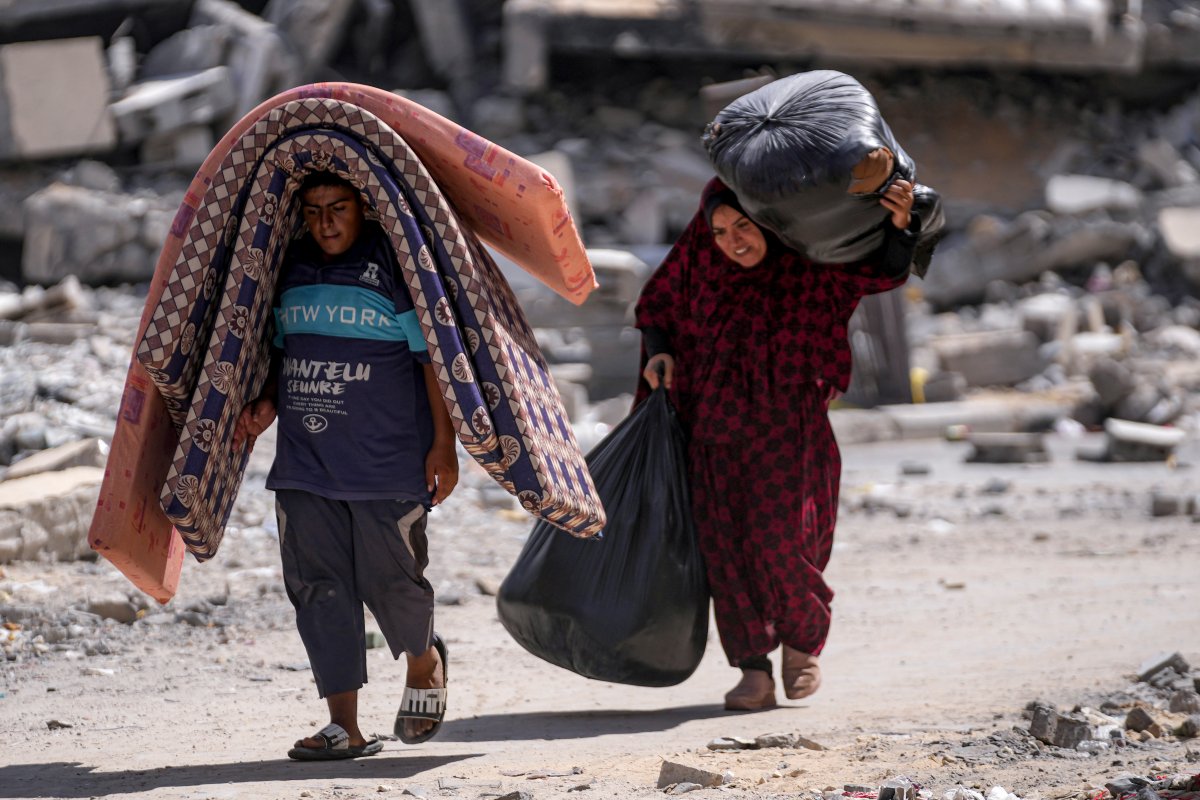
(758, 354)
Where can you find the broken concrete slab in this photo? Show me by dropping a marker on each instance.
(672, 773)
(990, 358)
(83, 453)
(316, 29)
(1137, 441)
(39, 20)
(97, 236)
(1044, 314)
(161, 105)
(76, 121)
(1156, 664)
(1007, 448)
(259, 59)
(1053, 35)
(931, 420)
(47, 515)
(446, 38)
(1080, 194)
(183, 149)
(1180, 228)
(191, 50)
(863, 425)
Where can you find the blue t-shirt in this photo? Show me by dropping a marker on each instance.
(353, 410)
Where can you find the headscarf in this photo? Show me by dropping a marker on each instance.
(698, 295)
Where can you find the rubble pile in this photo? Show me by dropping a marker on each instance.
(1163, 703)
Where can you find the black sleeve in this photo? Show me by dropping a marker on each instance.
(656, 341)
(898, 246)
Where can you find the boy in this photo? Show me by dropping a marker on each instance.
(365, 449)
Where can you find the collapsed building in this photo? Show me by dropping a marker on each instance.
(1061, 135)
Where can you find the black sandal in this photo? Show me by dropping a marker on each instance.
(337, 746)
(429, 704)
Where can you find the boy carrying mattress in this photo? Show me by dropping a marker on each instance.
(365, 450)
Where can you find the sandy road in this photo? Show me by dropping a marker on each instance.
(950, 616)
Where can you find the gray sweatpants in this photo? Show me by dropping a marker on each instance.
(338, 555)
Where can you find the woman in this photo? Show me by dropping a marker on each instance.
(751, 340)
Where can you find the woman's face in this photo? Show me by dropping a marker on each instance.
(738, 237)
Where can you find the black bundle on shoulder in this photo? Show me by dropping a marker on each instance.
(788, 150)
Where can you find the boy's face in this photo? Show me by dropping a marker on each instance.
(334, 217)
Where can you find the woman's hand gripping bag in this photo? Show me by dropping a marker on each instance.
(630, 606)
(798, 155)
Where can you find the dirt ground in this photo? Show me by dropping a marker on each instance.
(962, 595)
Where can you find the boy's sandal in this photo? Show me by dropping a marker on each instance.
(429, 704)
(336, 746)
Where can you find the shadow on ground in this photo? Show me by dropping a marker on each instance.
(63, 779)
(571, 724)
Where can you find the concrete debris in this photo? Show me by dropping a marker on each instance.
(1007, 448)
(1135, 441)
(74, 73)
(1161, 663)
(672, 773)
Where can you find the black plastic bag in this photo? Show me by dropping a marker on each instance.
(787, 151)
(632, 606)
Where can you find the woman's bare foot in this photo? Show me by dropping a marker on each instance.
(424, 672)
(801, 674)
(754, 692)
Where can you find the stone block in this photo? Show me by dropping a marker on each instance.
(1164, 161)
(1008, 448)
(643, 221)
(97, 236)
(1180, 229)
(897, 789)
(1184, 701)
(1162, 661)
(1136, 441)
(672, 773)
(160, 105)
(1070, 732)
(1112, 381)
(71, 71)
(47, 515)
(259, 59)
(783, 740)
(445, 37)
(990, 358)
(1079, 194)
(1044, 720)
(1139, 719)
(193, 49)
(1165, 505)
(316, 29)
(183, 149)
(83, 453)
(526, 46)
(620, 273)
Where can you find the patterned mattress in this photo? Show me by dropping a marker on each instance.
(206, 345)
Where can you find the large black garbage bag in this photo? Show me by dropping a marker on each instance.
(631, 607)
(787, 151)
